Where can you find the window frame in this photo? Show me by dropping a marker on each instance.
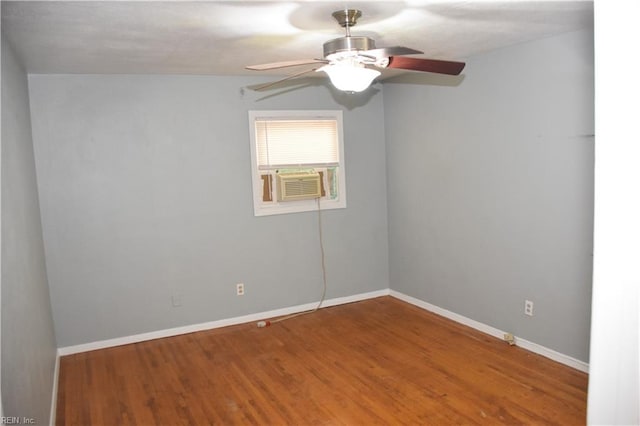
(267, 208)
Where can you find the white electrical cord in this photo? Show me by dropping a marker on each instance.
(324, 278)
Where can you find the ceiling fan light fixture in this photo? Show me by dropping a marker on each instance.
(350, 78)
(351, 61)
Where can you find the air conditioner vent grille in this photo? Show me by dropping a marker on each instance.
(298, 186)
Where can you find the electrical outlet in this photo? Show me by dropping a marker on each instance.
(528, 308)
(240, 289)
(176, 300)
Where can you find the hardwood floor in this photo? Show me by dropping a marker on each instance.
(380, 361)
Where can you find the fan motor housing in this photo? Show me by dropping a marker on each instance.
(347, 44)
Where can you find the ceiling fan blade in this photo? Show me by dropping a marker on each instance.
(273, 83)
(427, 65)
(276, 65)
(385, 52)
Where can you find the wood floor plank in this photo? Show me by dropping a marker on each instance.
(380, 361)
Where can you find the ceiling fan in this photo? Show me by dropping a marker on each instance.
(352, 62)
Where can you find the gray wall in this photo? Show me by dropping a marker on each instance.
(146, 193)
(28, 342)
(490, 190)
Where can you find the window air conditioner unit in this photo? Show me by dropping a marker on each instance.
(298, 186)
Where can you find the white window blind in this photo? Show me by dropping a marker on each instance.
(282, 142)
(300, 141)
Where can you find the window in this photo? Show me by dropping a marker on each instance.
(297, 157)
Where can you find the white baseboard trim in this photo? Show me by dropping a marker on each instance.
(54, 392)
(492, 331)
(86, 347)
(554, 355)
(487, 329)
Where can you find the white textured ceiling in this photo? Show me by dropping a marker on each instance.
(221, 37)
